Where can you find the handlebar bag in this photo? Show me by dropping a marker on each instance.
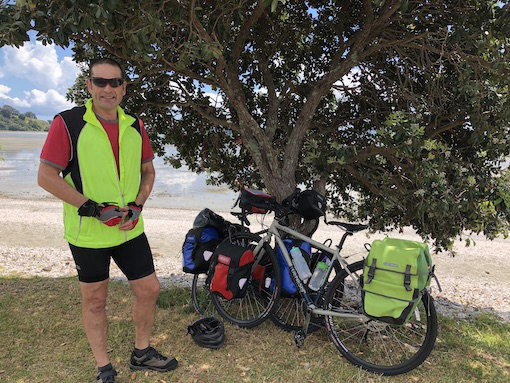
(311, 204)
(395, 275)
(230, 270)
(256, 201)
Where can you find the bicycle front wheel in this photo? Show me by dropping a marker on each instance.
(374, 345)
(200, 296)
(263, 287)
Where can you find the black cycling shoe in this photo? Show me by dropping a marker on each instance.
(107, 376)
(152, 360)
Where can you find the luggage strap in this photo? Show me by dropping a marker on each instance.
(407, 278)
(371, 270)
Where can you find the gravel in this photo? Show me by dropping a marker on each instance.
(476, 280)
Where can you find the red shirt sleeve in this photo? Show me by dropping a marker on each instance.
(56, 150)
(147, 152)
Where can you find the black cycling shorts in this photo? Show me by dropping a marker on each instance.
(134, 259)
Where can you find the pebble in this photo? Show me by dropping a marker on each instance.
(456, 300)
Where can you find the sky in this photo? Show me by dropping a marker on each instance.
(35, 78)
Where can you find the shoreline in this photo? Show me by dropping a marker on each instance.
(32, 244)
(179, 188)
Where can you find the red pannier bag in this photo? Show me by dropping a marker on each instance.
(230, 270)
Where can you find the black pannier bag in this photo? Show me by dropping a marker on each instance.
(256, 201)
(230, 270)
(310, 204)
(208, 218)
(209, 229)
(198, 248)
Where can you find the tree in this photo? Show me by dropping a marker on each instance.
(398, 110)
(8, 111)
(12, 119)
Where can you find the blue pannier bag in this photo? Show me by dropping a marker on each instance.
(197, 249)
(289, 288)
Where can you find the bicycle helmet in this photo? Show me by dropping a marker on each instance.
(208, 332)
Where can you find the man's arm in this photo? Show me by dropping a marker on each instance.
(48, 177)
(148, 175)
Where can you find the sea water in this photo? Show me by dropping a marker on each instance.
(173, 188)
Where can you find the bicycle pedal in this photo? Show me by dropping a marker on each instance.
(299, 338)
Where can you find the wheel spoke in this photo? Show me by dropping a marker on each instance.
(256, 305)
(375, 345)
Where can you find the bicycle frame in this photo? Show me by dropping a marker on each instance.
(373, 344)
(274, 231)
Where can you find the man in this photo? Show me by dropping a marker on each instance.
(98, 161)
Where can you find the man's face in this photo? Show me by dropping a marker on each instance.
(105, 98)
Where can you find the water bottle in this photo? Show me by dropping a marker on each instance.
(318, 276)
(300, 264)
(326, 260)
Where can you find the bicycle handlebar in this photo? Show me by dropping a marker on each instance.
(282, 210)
(287, 206)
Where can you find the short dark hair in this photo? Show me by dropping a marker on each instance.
(105, 60)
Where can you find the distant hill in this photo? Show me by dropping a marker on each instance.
(12, 119)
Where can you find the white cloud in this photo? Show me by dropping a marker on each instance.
(350, 80)
(38, 64)
(4, 90)
(40, 100)
(35, 79)
(13, 101)
(215, 99)
(70, 71)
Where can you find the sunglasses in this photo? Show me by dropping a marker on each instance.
(102, 82)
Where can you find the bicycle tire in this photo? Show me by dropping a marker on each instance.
(260, 298)
(289, 313)
(374, 345)
(200, 296)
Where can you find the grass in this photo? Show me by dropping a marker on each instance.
(43, 342)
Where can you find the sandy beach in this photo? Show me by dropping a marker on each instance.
(31, 244)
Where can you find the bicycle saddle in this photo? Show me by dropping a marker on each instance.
(349, 227)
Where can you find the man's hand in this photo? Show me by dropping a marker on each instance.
(109, 214)
(134, 212)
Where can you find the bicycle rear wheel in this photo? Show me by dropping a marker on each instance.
(289, 313)
(374, 345)
(263, 287)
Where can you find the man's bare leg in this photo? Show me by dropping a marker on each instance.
(95, 323)
(146, 291)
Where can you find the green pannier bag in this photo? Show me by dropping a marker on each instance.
(395, 275)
